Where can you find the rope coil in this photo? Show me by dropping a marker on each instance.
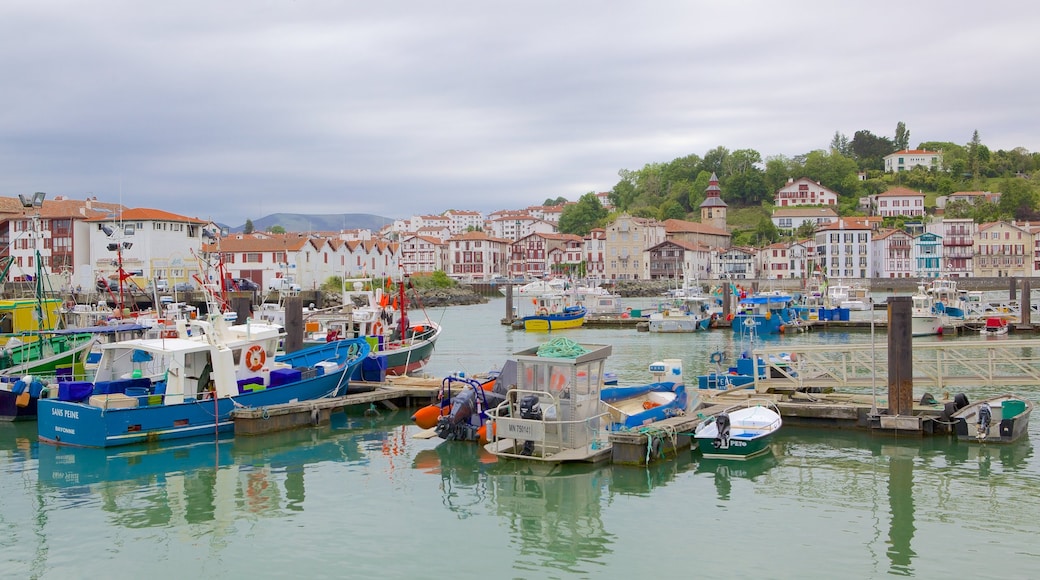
(561, 348)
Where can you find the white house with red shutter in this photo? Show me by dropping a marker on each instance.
(898, 201)
(804, 191)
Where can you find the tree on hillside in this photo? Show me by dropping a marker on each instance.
(680, 192)
(1018, 199)
(624, 191)
(579, 218)
(698, 189)
(682, 169)
(779, 169)
(645, 211)
(765, 233)
(671, 210)
(550, 202)
(833, 172)
(248, 228)
(902, 140)
(742, 161)
(840, 144)
(869, 150)
(974, 156)
(276, 229)
(958, 209)
(747, 188)
(715, 160)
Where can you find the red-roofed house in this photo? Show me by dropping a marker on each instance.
(804, 191)
(843, 248)
(162, 244)
(423, 254)
(62, 237)
(679, 260)
(892, 251)
(474, 255)
(909, 158)
(898, 201)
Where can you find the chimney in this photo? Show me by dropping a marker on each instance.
(87, 203)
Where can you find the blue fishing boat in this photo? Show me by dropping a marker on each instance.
(769, 312)
(171, 388)
(637, 405)
(747, 365)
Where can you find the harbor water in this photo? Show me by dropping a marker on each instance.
(363, 498)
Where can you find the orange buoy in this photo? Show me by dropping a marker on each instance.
(482, 435)
(426, 417)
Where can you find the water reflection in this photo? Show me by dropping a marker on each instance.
(725, 470)
(462, 466)
(210, 480)
(554, 513)
(921, 478)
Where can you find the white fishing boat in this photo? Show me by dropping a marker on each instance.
(924, 320)
(739, 433)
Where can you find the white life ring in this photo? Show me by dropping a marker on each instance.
(255, 357)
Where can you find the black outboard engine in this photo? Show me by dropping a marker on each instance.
(530, 409)
(961, 400)
(985, 418)
(722, 436)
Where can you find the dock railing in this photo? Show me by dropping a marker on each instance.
(936, 365)
(550, 435)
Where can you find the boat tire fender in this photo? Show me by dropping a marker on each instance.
(717, 357)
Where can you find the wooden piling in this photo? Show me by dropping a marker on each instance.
(900, 360)
(243, 307)
(509, 302)
(293, 324)
(1011, 288)
(1025, 304)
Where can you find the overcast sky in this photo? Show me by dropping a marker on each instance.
(230, 109)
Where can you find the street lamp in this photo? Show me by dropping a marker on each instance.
(35, 203)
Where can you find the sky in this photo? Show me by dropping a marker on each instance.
(237, 109)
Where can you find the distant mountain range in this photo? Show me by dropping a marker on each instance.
(298, 222)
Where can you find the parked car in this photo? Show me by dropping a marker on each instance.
(281, 284)
(183, 287)
(244, 285)
(161, 285)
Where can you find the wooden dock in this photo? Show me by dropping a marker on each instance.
(396, 392)
(660, 440)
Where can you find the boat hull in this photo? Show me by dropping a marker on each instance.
(659, 323)
(749, 433)
(407, 360)
(738, 448)
(1002, 429)
(10, 411)
(85, 425)
(925, 325)
(555, 321)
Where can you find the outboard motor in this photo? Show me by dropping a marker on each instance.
(961, 400)
(530, 409)
(722, 436)
(985, 418)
